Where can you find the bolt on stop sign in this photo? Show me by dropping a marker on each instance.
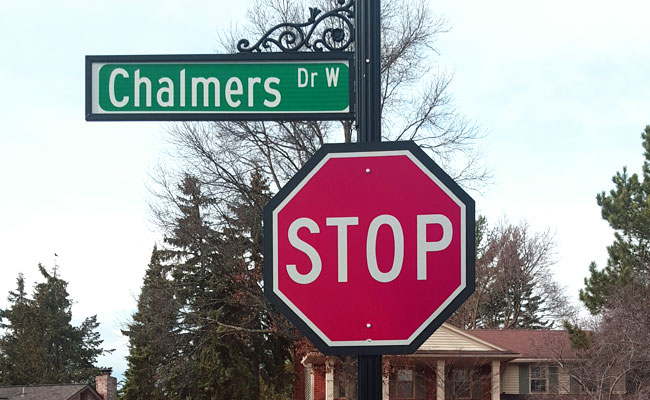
(369, 248)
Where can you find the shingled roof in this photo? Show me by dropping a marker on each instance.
(531, 344)
(42, 392)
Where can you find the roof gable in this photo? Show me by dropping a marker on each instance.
(448, 338)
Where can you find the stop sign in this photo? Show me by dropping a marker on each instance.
(369, 248)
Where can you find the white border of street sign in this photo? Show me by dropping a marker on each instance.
(95, 113)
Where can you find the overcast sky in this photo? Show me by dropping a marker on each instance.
(561, 88)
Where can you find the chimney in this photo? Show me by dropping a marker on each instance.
(106, 385)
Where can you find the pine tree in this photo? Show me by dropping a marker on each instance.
(627, 210)
(198, 278)
(269, 355)
(223, 334)
(151, 335)
(240, 356)
(41, 345)
(22, 351)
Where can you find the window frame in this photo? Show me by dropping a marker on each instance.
(453, 373)
(418, 383)
(347, 384)
(546, 380)
(411, 381)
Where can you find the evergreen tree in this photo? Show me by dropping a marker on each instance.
(220, 328)
(187, 274)
(199, 290)
(619, 292)
(22, 353)
(627, 210)
(41, 345)
(269, 355)
(151, 335)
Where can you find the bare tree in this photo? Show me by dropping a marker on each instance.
(416, 101)
(614, 358)
(222, 157)
(468, 316)
(514, 285)
(416, 105)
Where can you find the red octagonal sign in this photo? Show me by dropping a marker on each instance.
(369, 248)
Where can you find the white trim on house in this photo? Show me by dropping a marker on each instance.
(538, 360)
(496, 380)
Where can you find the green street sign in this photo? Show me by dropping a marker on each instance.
(263, 86)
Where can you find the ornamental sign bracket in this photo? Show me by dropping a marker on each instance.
(412, 226)
(311, 78)
(331, 31)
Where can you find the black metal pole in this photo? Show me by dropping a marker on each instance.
(368, 91)
(367, 58)
(369, 377)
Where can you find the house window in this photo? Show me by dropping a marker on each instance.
(407, 383)
(344, 388)
(539, 379)
(405, 386)
(461, 383)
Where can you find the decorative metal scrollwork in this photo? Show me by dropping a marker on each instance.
(333, 31)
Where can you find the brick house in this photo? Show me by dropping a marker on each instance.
(456, 364)
(105, 389)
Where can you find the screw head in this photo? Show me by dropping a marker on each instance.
(338, 35)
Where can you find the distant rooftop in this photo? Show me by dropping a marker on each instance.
(40, 392)
(541, 344)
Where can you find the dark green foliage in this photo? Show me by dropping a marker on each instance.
(40, 345)
(598, 286)
(627, 210)
(150, 334)
(579, 338)
(22, 353)
(619, 293)
(267, 335)
(203, 329)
